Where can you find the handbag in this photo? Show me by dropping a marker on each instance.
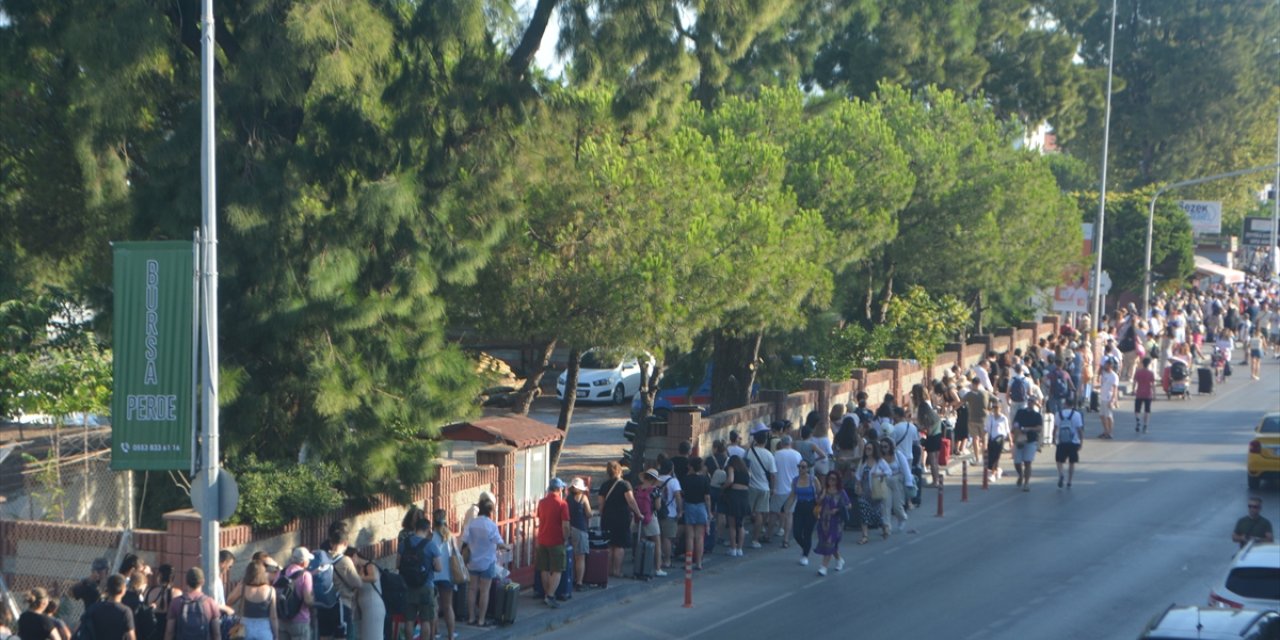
(879, 488)
(457, 568)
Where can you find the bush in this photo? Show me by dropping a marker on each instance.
(273, 494)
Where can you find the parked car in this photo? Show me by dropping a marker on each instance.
(1252, 581)
(1264, 451)
(1197, 623)
(608, 375)
(673, 392)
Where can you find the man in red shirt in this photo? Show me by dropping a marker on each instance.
(1144, 382)
(553, 530)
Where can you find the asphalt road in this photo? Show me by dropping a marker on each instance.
(1146, 524)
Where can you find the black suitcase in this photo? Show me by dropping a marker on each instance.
(503, 600)
(1205, 375)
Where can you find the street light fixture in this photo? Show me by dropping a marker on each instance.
(1151, 220)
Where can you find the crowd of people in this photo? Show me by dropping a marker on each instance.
(862, 470)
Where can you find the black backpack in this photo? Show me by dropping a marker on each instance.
(288, 600)
(193, 620)
(393, 590)
(413, 563)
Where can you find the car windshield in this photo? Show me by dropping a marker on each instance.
(601, 359)
(1262, 583)
(1271, 424)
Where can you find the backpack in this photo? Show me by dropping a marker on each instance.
(288, 600)
(193, 619)
(660, 501)
(1129, 342)
(1018, 389)
(393, 590)
(322, 586)
(1060, 388)
(1066, 434)
(413, 563)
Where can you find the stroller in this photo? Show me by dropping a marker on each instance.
(1174, 379)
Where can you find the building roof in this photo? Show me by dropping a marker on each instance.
(517, 431)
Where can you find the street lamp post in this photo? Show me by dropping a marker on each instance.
(1102, 197)
(1151, 219)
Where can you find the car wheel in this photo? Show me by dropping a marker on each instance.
(1255, 482)
(619, 394)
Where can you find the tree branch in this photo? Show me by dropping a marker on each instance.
(522, 57)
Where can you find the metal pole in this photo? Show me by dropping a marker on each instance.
(1275, 209)
(209, 533)
(1102, 196)
(1151, 216)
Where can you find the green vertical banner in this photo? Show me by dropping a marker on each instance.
(153, 395)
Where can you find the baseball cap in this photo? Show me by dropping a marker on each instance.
(100, 564)
(556, 483)
(301, 555)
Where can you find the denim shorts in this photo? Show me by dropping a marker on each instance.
(695, 514)
(486, 574)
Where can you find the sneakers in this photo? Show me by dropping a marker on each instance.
(738, 553)
(840, 564)
(755, 544)
(822, 571)
(781, 531)
(551, 602)
(660, 573)
(1060, 479)
(804, 561)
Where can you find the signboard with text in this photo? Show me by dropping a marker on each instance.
(153, 396)
(1205, 216)
(1256, 232)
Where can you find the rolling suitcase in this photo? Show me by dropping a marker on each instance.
(643, 557)
(503, 601)
(461, 607)
(1205, 375)
(564, 590)
(597, 571)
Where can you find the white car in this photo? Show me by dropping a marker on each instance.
(608, 375)
(1252, 581)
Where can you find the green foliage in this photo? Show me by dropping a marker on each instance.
(920, 325)
(49, 362)
(1125, 238)
(49, 492)
(1196, 93)
(273, 493)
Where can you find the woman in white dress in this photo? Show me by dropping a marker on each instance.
(372, 613)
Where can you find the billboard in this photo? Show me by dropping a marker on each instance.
(1256, 232)
(1072, 296)
(1205, 216)
(153, 396)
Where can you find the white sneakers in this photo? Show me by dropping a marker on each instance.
(804, 561)
(822, 571)
(660, 573)
(840, 564)
(755, 544)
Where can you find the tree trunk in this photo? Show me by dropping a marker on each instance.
(523, 56)
(733, 370)
(566, 406)
(528, 392)
(886, 293)
(649, 388)
(977, 312)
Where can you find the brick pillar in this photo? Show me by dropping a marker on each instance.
(1056, 321)
(182, 541)
(823, 406)
(777, 401)
(895, 385)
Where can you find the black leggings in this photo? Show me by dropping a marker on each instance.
(802, 523)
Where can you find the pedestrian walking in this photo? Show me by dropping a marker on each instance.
(1255, 354)
(997, 430)
(1144, 391)
(802, 502)
(1253, 527)
(1108, 396)
(1068, 439)
(1029, 423)
(833, 503)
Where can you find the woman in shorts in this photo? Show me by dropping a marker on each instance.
(1255, 354)
(697, 509)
